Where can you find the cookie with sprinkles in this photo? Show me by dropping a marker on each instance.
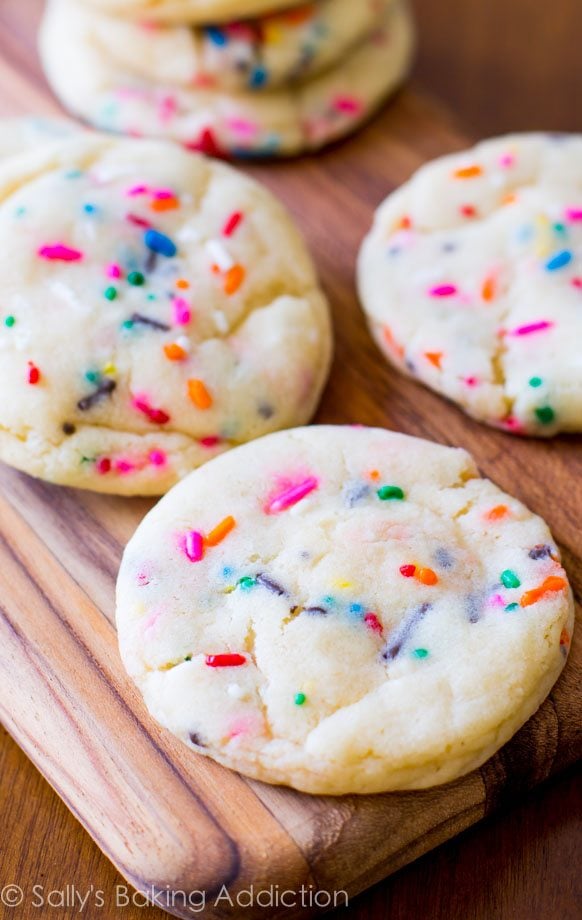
(192, 11)
(157, 308)
(255, 55)
(343, 610)
(91, 80)
(471, 279)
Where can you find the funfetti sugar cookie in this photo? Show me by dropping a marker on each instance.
(343, 610)
(192, 11)
(91, 83)
(471, 279)
(156, 308)
(247, 55)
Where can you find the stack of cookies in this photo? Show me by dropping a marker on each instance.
(286, 81)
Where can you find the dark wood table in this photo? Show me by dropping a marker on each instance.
(524, 863)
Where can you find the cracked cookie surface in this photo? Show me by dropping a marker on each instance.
(103, 90)
(343, 610)
(471, 279)
(157, 308)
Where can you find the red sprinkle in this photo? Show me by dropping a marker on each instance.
(137, 221)
(408, 570)
(58, 252)
(157, 416)
(103, 465)
(232, 223)
(33, 373)
(225, 661)
(373, 623)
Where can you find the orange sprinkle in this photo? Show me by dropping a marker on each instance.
(427, 576)
(221, 531)
(469, 172)
(435, 357)
(488, 290)
(500, 511)
(182, 284)
(374, 474)
(404, 223)
(509, 199)
(199, 394)
(552, 583)
(392, 343)
(564, 637)
(233, 280)
(174, 352)
(164, 204)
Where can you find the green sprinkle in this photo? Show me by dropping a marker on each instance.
(420, 653)
(560, 229)
(545, 415)
(136, 279)
(9, 321)
(92, 376)
(246, 583)
(509, 579)
(300, 699)
(386, 493)
(127, 324)
(511, 607)
(20, 212)
(535, 382)
(110, 293)
(152, 296)
(188, 658)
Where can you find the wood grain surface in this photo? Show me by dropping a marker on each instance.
(162, 815)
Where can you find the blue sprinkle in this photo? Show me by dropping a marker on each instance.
(356, 608)
(89, 208)
(258, 78)
(217, 36)
(560, 260)
(227, 571)
(73, 174)
(160, 243)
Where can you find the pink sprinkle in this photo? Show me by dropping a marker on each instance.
(167, 108)
(496, 601)
(511, 424)
(443, 290)
(347, 104)
(574, 214)
(507, 160)
(60, 253)
(232, 223)
(143, 579)
(210, 441)
(137, 190)
(542, 326)
(162, 194)
(472, 381)
(182, 312)
(292, 496)
(157, 458)
(194, 546)
(243, 127)
(577, 282)
(124, 466)
(113, 271)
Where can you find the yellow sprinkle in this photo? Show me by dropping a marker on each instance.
(109, 369)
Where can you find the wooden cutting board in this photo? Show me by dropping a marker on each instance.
(165, 817)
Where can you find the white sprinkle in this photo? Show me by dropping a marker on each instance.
(219, 255)
(220, 321)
